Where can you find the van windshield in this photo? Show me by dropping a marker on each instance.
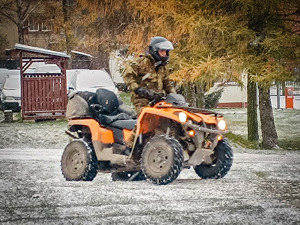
(91, 80)
(12, 83)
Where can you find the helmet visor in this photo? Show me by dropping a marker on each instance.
(165, 45)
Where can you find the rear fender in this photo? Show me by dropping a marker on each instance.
(98, 133)
(101, 136)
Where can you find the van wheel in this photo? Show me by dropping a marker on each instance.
(222, 162)
(162, 160)
(125, 176)
(79, 162)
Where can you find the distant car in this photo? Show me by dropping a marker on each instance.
(10, 92)
(91, 80)
(3, 73)
(47, 68)
(71, 73)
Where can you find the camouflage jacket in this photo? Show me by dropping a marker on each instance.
(141, 73)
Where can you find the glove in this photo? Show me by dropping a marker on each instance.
(145, 93)
(157, 97)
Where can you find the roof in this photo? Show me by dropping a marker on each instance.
(82, 53)
(40, 50)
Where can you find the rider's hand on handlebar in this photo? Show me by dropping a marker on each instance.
(145, 93)
(157, 97)
(149, 94)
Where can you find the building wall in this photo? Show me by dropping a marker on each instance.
(40, 35)
(233, 95)
(9, 30)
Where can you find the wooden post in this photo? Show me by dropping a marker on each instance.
(8, 116)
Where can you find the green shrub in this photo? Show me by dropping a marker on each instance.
(211, 100)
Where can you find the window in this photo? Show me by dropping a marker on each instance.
(33, 25)
(37, 22)
(46, 26)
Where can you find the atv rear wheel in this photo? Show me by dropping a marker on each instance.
(222, 162)
(162, 160)
(125, 176)
(79, 162)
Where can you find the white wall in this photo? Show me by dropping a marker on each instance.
(232, 92)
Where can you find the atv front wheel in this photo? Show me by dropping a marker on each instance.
(79, 162)
(162, 160)
(222, 161)
(125, 176)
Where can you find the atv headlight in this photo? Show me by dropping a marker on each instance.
(222, 125)
(182, 117)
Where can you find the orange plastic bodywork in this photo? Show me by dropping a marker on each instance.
(126, 134)
(148, 121)
(149, 118)
(99, 133)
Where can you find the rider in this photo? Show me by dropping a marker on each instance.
(148, 76)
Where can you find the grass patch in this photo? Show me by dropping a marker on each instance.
(125, 97)
(289, 144)
(242, 141)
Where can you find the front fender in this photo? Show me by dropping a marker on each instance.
(149, 118)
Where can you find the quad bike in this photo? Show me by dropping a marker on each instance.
(170, 136)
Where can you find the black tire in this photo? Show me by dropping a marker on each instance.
(125, 176)
(162, 160)
(222, 162)
(79, 162)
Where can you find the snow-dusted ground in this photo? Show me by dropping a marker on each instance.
(263, 187)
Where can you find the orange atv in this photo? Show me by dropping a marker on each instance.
(170, 136)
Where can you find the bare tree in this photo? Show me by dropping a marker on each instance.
(18, 11)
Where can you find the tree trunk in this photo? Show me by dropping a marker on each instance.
(67, 25)
(269, 134)
(21, 33)
(252, 123)
(188, 93)
(20, 22)
(200, 101)
(193, 94)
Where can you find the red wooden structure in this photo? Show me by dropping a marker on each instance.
(43, 95)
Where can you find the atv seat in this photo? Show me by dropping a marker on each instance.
(124, 124)
(120, 121)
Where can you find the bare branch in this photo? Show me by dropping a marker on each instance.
(33, 8)
(8, 16)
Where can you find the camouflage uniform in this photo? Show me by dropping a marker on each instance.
(142, 73)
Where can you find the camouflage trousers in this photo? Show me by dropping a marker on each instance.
(139, 105)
